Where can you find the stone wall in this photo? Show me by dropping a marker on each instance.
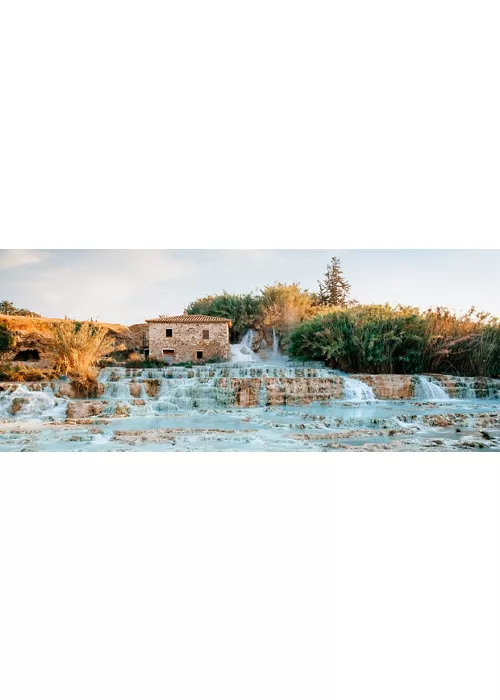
(187, 339)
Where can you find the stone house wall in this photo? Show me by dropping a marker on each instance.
(187, 339)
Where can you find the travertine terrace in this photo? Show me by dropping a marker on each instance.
(253, 407)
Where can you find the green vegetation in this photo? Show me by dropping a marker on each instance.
(335, 289)
(6, 338)
(328, 326)
(280, 306)
(150, 363)
(468, 345)
(283, 306)
(242, 309)
(379, 339)
(8, 308)
(331, 327)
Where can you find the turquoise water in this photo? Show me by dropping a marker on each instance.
(191, 412)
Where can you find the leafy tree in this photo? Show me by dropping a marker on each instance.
(284, 306)
(8, 309)
(335, 289)
(242, 309)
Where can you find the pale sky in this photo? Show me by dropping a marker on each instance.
(128, 286)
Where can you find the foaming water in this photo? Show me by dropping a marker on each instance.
(428, 389)
(356, 390)
(243, 352)
(277, 356)
(24, 403)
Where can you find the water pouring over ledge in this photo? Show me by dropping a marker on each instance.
(356, 390)
(428, 389)
(243, 352)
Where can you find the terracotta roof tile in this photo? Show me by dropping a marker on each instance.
(188, 318)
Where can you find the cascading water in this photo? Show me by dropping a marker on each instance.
(26, 403)
(243, 352)
(465, 387)
(249, 406)
(356, 390)
(276, 356)
(429, 390)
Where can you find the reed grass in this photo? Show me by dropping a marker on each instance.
(403, 340)
(78, 348)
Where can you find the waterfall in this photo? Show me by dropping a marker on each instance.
(429, 390)
(116, 390)
(356, 390)
(276, 341)
(24, 402)
(466, 387)
(276, 357)
(213, 388)
(243, 352)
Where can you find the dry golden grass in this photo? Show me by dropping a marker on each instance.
(19, 373)
(78, 349)
(33, 325)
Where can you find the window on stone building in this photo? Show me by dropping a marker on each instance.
(199, 355)
(168, 332)
(206, 335)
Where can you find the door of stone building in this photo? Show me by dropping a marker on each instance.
(168, 356)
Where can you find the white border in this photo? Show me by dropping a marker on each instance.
(263, 576)
(230, 125)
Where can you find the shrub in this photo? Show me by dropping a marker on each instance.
(6, 338)
(217, 359)
(78, 348)
(107, 362)
(283, 306)
(467, 344)
(400, 340)
(150, 363)
(18, 373)
(135, 364)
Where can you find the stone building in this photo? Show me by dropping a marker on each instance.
(189, 338)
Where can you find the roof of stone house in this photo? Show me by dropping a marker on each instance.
(188, 318)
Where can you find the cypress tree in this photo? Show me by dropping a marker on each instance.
(335, 289)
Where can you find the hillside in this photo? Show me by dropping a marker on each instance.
(30, 340)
